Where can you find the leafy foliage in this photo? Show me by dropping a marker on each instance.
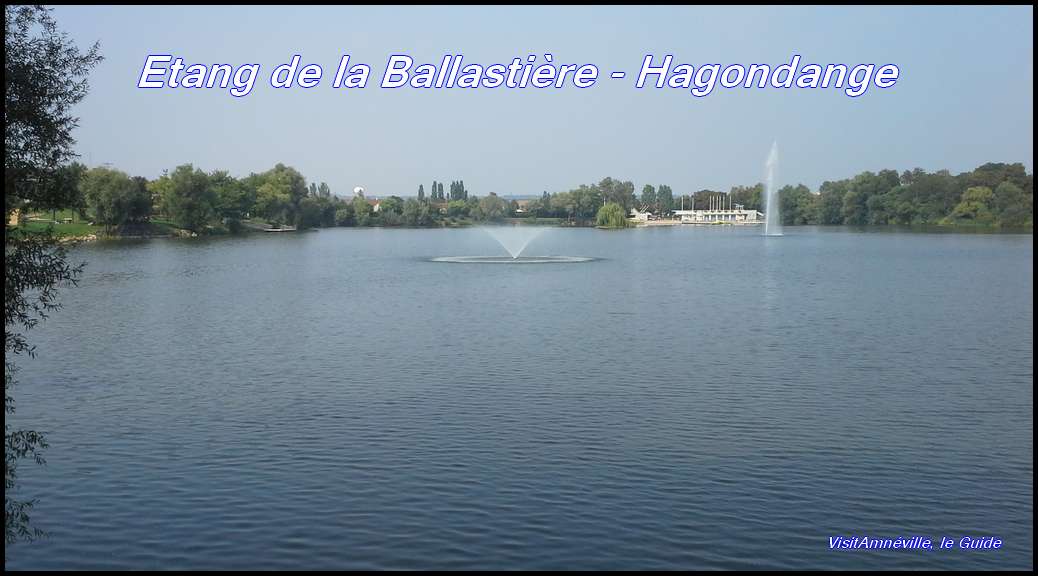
(35, 266)
(114, 197)
(44, 77)
(991, 195)
(611, 215)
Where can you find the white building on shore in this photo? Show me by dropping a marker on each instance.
(639, 216)
(720, 216)
(720, 210)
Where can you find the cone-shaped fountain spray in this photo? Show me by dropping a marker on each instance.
(772, 218)
(514, 238)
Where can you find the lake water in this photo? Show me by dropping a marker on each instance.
(694, 398)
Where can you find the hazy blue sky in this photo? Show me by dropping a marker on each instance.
(965, 95)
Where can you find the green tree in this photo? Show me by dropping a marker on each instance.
(390, 218)
(361, 210)
(796, 205)
(273, 202)
(831, 201)
(233, 199)
(344, 214)
(416, 213)
(541, 207)
(316, 212)
(392, 204)
(664, 199)
(855, 208)
(458, 208)
(44, 77)
(546, 208)
(141, 203)
(285, 189)
(992, 174)
(188, 199)
(648, 199)
(975, 207)
(111, 196)
(1013, 206)
(490, 208)
(749, 197)
(937, 194)
(898, 206)
(612, 215)
(861, 188)
(588, 199)
(309, 213)
(563, 205)
(881, 208)
(63, 190)
(611, 190)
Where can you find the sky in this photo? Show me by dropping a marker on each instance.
(964, 95)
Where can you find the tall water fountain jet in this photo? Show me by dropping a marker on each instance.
(772, 219)
(514, 238)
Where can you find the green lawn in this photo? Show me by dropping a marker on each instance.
(59, 215)
(76, 229)
(156, 227)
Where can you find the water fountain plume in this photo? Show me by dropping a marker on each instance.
(772, 219)
(514, 239)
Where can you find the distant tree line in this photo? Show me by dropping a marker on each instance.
(206, 202)
(995, 194)
(213, 202)
(583, 203)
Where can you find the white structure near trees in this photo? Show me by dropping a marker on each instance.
(720, 216)
(639, 216)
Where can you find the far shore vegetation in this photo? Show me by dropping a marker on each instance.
(106, 202)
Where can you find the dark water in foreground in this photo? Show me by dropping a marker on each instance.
(695, 398)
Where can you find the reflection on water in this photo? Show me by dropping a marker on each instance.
(694, 398)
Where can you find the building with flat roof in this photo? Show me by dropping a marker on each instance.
(720, 216)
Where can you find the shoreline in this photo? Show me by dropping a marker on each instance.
(931, 228)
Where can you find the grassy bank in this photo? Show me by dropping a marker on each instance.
(78, 229)
(82, 230)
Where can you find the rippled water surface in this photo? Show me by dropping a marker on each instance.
(692, 398)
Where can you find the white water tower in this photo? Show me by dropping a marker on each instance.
(358, 190)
